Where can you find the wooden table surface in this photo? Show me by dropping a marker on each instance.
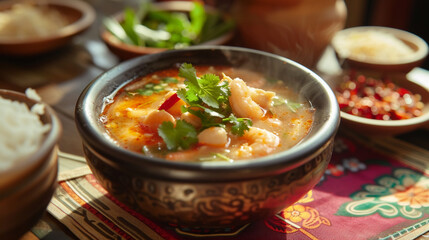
(60, 76)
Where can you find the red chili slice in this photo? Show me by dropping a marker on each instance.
(169, 102)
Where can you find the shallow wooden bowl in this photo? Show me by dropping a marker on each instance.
(79, 14)
(127, 51)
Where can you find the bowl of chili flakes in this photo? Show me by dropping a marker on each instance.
(376, 104)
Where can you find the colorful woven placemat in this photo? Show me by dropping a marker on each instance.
(372, 189)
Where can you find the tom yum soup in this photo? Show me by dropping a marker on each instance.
(207, 113)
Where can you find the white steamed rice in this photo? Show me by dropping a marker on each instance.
(25, 20)
(21, 131)
(372, 45)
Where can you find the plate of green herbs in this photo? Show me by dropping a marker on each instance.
(167, 25)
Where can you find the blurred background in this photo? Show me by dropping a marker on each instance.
(410, 15)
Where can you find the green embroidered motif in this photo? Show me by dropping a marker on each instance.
(405, 194)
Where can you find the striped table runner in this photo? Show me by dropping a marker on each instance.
(330, 211)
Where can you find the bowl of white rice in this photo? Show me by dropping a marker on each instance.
(29, 132)
(29, 28)
(379, 48)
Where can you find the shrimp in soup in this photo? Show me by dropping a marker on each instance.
(207, 113)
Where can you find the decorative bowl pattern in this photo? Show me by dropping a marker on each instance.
(209, 204)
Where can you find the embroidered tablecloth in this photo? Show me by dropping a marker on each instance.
(372, 189)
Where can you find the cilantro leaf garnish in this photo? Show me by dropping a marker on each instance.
(145, 92)
(154, 87)
(208, 99)
(239, 125)
(170, 80)
(205, 89)
(208, 117)
(181, 136)
(293, 106)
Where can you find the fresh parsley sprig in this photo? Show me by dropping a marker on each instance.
(293, 106)
(153, 87)
(179, 137)
(208, 117)
(239, 125)
(206, 89)
(211, 96)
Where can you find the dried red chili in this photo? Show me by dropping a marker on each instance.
(377, 99)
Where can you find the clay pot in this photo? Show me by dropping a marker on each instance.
(297, 29)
